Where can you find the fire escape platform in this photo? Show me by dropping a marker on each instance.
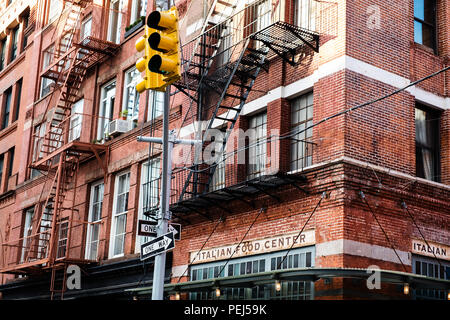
(208, 202)
(73, 146)
(32, 267)
(97, 49)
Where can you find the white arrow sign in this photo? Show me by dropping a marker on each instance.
(158, 245)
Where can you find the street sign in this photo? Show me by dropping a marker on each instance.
(147, 228)
(176, 229)
(158, 245)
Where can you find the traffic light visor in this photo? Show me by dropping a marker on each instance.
(161, 21)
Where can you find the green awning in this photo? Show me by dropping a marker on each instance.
(300, 274)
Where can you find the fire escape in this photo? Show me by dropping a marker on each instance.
(48, 245)
(220, 68)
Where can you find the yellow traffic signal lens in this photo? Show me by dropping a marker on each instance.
(162, 43)
(141, 64)
(163, 65)
(141, 86)
(140, 44)
(161, 21)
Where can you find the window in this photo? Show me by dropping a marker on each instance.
(7, 95)
(18, 99)
(425, 22)
(62, 239)
(431, 268)
(297, 290)
(3, 48)
(45, 231)
(138, 10)
(119, 219)
(2, 162)
(10, 162)
(218, 179)
(257, 145)
(26, 19)
(115, 21)
(47, 58)
(94, 219)
(131, 96)
(76, 118)
(55, 8)
(427, 144)
(27, 229)
(155, 104)
(301, 118)
(15, 43)
(305, 14)
(86, 27)
(106, 108)
(149, 193)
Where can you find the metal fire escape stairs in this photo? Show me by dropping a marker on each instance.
(58, 156)
(233, 83)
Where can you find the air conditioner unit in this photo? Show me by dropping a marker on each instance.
(119, 126)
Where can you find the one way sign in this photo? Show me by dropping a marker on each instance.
(158, 245)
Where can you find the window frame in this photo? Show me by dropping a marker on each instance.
(102, 120)
(27, 229)
(3, 50)
(6, 108)
(257, 169)
(91, 222)
(296, 112)
(155, 164)
(131, 85)
(15, 35)
(432, 25)
(115, 215)
(436, 145)
(111, 32)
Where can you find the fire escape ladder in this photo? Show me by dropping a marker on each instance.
(235, 81)
(196, 69)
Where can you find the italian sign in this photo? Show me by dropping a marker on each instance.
(441, 251)
(252, 247)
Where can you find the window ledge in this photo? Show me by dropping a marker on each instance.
(424, 48)
(13, 63)
(12, 127)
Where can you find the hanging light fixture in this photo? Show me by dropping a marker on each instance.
(406, 288)
(277, 285)
(177, 295)
(217, 292)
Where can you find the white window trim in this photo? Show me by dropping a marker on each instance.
(131, 84)
(113, 216)
(140, 239)
(101, 131)
(89, 226)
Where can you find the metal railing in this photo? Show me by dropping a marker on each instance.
(249, 19)
(230, 171)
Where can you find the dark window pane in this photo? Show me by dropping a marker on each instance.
(308, 259)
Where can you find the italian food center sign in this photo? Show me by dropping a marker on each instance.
(251, 247)
(441, 251)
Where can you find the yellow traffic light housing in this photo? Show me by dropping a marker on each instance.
(164, 40)
(151, 80)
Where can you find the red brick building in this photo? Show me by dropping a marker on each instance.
(308, 200)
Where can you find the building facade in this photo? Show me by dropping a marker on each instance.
(304, 199)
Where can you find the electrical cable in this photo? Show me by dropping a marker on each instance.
(295, 239)
(234, 251)
(405, 207)
(221, 219)
(361, 194)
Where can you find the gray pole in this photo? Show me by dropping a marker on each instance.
(160, 259)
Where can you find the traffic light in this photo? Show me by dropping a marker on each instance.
(151, 80)
(163, 39)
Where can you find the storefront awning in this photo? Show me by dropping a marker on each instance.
(301, 274)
